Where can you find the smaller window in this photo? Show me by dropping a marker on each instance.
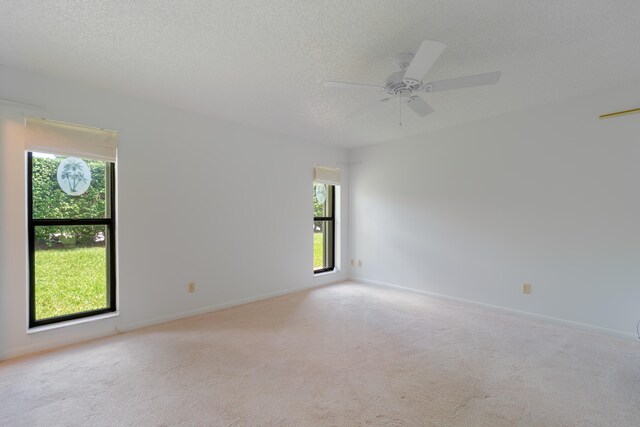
(323, 227)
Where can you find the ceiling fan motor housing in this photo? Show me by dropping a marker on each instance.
(395, 85)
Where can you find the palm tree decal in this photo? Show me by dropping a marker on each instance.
(73, 172)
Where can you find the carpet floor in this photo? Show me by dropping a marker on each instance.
(339, 355)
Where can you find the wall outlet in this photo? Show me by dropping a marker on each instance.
(359, 263)
(191, 288)
(526, 288)
(353, 262)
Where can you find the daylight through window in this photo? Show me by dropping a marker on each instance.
(323, 227)
(71, 223)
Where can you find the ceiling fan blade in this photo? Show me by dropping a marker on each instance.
(422, 61)
(372, 88)
(419, 106)
(366, 107)
(463, 82)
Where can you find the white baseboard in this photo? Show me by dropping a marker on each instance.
(211, 308)
(583, 326)
(33, 349)
(122, 328)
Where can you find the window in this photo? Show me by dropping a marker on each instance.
(323, 227)
(326, 182)
(71, 222)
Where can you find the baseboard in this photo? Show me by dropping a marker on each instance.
(122, 328)
(215, 307)
(35, 349)
(583, 326)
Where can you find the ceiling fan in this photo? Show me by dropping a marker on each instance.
(406, 85)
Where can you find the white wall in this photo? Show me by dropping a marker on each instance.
(199, 199)
(549, 196)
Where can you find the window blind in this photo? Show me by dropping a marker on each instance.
(326, 175)
(52, 137)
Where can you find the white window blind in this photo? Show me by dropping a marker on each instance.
(49, 136)
(326, 175)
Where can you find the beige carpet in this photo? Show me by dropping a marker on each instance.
(341, 355)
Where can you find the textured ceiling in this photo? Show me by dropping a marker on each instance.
(262, 62)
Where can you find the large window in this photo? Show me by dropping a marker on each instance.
(323, 227)
(71, 221)
(71, 238)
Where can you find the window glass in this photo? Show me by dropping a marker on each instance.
(321, 200)
(323, 227)
(68, 187)
(70, 270)
(71, 238)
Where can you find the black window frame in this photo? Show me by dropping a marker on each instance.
(110, 242)
(329, 249)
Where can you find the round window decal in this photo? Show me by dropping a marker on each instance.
(74, 176)
(321, 193)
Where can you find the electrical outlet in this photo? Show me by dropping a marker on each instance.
(359, 263)
(353, 262)
(192, 287)
(526, 288)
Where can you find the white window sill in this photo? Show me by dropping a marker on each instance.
(71, 322)
(325, 273)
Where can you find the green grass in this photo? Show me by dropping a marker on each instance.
(70, 281)
(318, 253)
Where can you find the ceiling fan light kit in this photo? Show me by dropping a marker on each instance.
(407, 84)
